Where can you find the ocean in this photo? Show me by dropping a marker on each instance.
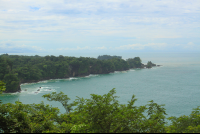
(176, 84)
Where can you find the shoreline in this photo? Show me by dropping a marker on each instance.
(36, 81)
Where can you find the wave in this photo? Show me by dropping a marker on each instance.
(50, 89)
(73, 78)
(7, 94)
(131, 70)
(91, 75)
(156, 67)
(120, 71)
(30, 91)
(27, 83)
(116, 71)
(45, 81)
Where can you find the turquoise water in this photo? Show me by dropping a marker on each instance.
(175, 84)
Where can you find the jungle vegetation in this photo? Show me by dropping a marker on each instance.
(107, 57)
(99, 114)
(15, 69)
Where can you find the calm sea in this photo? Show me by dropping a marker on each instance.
(175, 84)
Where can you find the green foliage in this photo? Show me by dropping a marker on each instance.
(36, 68)
(7, 75)
(2, 86)
(12, 82)
(156, 121)
(63, 99)
(103, 113)
(108, 57)
(99, 114)
(149, 64)
(185, 124)
(134, 62)
(120, 64)
(27, 118)
(4, 68)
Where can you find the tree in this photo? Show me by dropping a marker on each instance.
(63, 99)
(99, 114)
(185, 124)
(28, 118)
(2, 86)
(12, 82)
(35, 68)
(134, 62)
(149, 64)
(137, 62)
(104, 114)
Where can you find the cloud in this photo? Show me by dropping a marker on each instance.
(10, 47)
(133, 46)
(101, 48)
(140, 46)
(191, 45)
(83, 48)
(77, 48)
(96, 13)
(63, 22)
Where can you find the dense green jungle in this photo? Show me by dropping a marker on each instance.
(15, 69)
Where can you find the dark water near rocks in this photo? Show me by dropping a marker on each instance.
(176, 84)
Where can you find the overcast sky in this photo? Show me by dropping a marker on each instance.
(57, 26)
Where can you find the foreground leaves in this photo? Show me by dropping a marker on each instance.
(99, 114)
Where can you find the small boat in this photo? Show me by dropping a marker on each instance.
(38, 90)
(25, 90)
(49, 89)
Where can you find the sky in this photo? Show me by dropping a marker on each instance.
(99, 26)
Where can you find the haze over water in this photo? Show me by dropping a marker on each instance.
(176, 84)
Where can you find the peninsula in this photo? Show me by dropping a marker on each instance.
(16, 70)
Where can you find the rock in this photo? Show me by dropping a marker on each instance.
(153, 64)
(19, 89)
(74, 74)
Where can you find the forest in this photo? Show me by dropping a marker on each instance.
(15, 69)
(99, 114)
(107, 57)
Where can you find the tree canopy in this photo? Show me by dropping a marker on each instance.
(99, 114)
(108, 57)
(15, 69)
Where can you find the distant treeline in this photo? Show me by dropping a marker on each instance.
(15, 69)
(107, 57)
